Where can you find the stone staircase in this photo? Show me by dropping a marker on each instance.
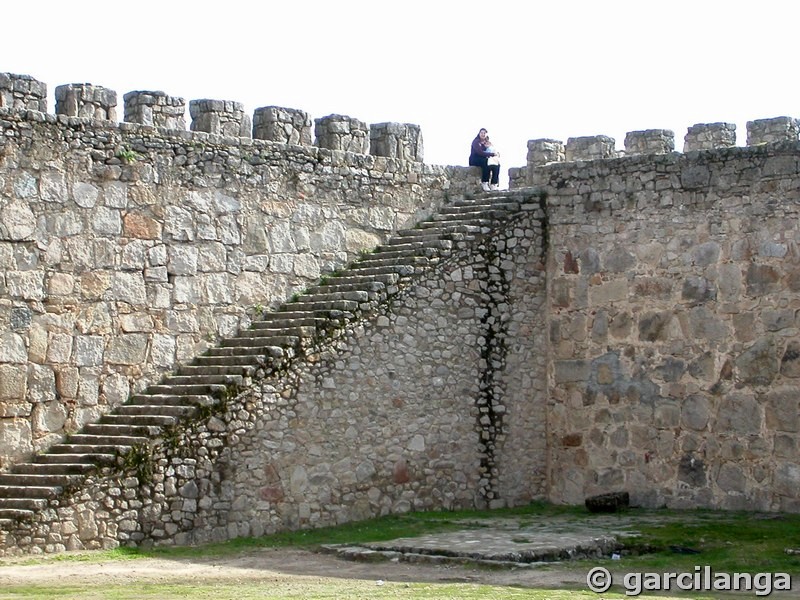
(264, 348)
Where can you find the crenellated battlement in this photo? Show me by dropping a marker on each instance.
(402, 141)
(22, 92)
(217, 117)
(699, 137)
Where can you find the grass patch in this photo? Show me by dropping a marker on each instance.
(372, 530)
(727, 541)
(655, 541)
(340, 590)
(410, 524)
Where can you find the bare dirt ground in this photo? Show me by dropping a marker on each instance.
(302, 572)
(273, 565)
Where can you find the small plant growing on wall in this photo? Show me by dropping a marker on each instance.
(127, 155)
(138, 460)
(259, 310)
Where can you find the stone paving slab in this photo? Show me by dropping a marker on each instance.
(506, 542)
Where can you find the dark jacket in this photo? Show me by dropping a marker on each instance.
(478, 153)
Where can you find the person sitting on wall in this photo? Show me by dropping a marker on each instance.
(479, 156)
(495, 158)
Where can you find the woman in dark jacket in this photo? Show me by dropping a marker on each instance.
(479, 157)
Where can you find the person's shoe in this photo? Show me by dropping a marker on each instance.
(495, 187)
(485, 186)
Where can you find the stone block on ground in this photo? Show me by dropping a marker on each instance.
(608, 503)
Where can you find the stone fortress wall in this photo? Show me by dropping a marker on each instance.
(129, 247)
(384, 420)
(673, 316)
(641, 327)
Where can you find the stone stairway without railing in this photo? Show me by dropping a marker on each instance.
(268, 344)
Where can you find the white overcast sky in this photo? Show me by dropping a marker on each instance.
(522, 69)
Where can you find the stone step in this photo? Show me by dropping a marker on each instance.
(309, 329)
(401, 252)
(502, 209)
(82, 458)
(436, 234)
(492, 196)
(417, 250)
(249, 361)
(10, 515)
(466, 226)
(154, 422)
(83, 439)
(301, 321)
(369, 286)
(301, 316)
(353, 295)
(51, 469)
(170, 400)
(196, 371)
(202, 389)
(270, 352)
(39, 479)
(401, 270)
(490, 218)
(113, 450)
(146, 431)
(419, 236)
(253, 338)
(378, 261)
(303, 333)
(318, 332)
(34, 504)
(349, 278)
(476, 203)
(340, 305)
(199, 379)
(156, 410)
(29, 491)
(414, 247)
(427, 230)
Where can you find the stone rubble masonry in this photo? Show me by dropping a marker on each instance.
(220, 117)
(396, 140)
(673, 328)
(22, 92)
(155, 109)
(649, 141)
(283, 125)
(227, 118)
(136, 247)
(392, 416)
(634, 327)
(340, 132)
(766, 131)
(589, 148)
(708, 136)
(699, 137)
(544, 151)
(86, 100)
(434, 401)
